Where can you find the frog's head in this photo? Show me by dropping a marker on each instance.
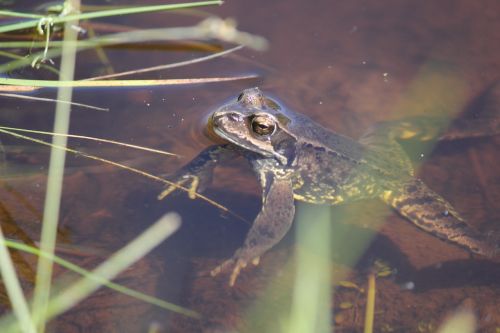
(254, 122)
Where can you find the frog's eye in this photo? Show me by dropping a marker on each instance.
(240, 96)
(263, 125)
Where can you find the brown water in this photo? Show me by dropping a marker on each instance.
(346, 64)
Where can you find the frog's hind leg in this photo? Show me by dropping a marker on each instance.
(383, 139)
(430, 212)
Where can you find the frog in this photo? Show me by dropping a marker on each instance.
(297, 159)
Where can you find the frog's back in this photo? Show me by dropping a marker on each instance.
(383, 161)
(308, 131)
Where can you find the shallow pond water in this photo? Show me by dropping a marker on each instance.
(347, 65)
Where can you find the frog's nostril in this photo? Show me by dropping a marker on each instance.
(234, 116)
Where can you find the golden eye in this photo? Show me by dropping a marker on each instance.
(263, 125)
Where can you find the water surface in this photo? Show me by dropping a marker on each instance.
(346, 64)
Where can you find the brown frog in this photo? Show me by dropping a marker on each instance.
(295, 158)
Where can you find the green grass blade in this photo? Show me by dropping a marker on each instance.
(116, 83)
(370, 304)
(105, 282)
(21, 15)
(55, 178)
(131, 169)
(169, 66)
(19, 58)
(107, 13)
(211, 28)
(310, 308)
(124, 258)
(14, 290)
(162, 152)
(50, 100)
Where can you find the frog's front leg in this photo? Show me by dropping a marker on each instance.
(430, 212)
(269, 227)
(198, 173)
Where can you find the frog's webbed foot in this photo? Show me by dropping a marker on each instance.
(197, 174)
(430, 212)
(269, 227)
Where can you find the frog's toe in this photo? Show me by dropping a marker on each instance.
(171, 188)
(256, 261)
(222, 267)
(240, 264)
(194, 184)
(237, 265)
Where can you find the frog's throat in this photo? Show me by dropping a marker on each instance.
(246, 144)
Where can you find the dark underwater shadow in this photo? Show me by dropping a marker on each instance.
(476, 271)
